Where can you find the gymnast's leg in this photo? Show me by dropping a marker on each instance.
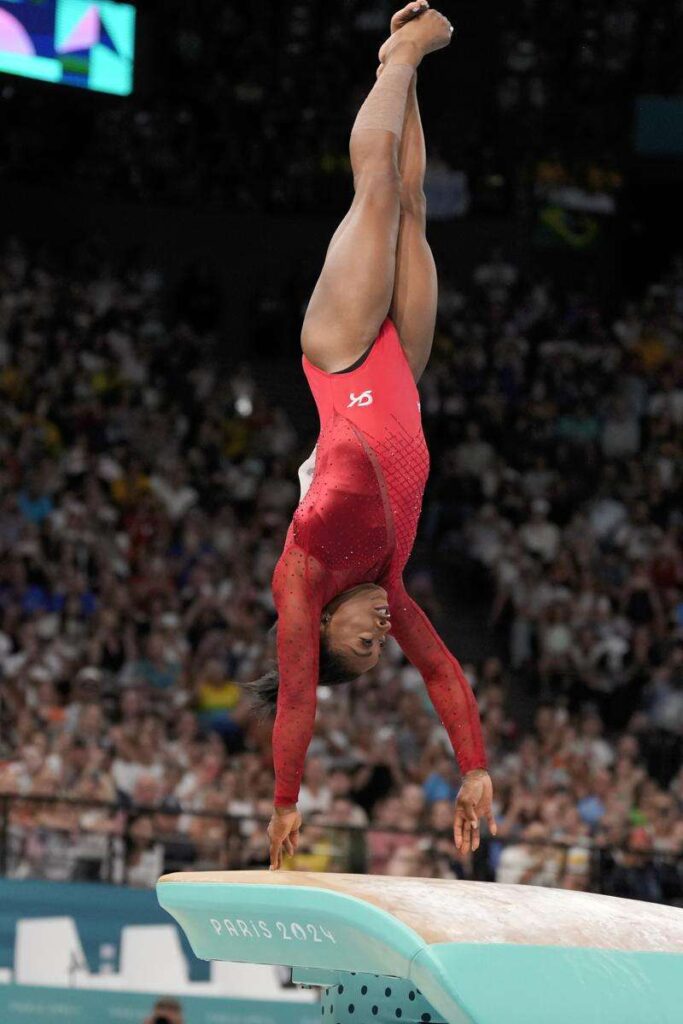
(414, 303)
(355, 290)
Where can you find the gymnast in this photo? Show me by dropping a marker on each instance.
(367, 337)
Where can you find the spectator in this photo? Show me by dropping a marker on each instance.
(315, 794)
(530, 863)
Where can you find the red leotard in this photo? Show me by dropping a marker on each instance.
(357, 524)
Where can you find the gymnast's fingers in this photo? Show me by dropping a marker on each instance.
(275, 854)
(459, 825)
(493, 826)
(473, 819)
(276, 840)
(465, 811)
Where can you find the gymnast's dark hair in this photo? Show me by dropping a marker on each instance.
(333, 671)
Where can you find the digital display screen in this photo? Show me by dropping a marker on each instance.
(70, 42)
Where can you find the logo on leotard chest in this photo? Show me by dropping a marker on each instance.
(360, 401)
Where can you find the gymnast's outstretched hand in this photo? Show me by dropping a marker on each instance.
(283, 832)
(475, 801)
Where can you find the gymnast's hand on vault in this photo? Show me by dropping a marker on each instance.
(475, 801)
(283, 833)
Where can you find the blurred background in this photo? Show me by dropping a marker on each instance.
(168, 190)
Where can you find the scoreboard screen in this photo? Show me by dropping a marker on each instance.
(71, 42)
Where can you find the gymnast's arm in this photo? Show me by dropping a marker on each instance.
(297, 591)
(454, 702)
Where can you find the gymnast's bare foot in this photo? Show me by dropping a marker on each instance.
(421, 35)
(402, 17)
(407, 14)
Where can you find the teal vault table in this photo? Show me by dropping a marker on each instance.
(386, 949)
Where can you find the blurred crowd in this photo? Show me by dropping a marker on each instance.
(608, 51)
(144, 497)
(246, 106)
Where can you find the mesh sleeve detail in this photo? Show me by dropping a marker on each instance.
(447, 685)
(298, 594)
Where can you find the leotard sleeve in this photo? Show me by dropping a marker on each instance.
(447, 685)
(298, 595)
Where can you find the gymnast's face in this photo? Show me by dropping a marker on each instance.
(356, 625)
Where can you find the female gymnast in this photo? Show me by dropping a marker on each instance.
(366, 339)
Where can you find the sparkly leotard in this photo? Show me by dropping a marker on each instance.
(357, 524)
